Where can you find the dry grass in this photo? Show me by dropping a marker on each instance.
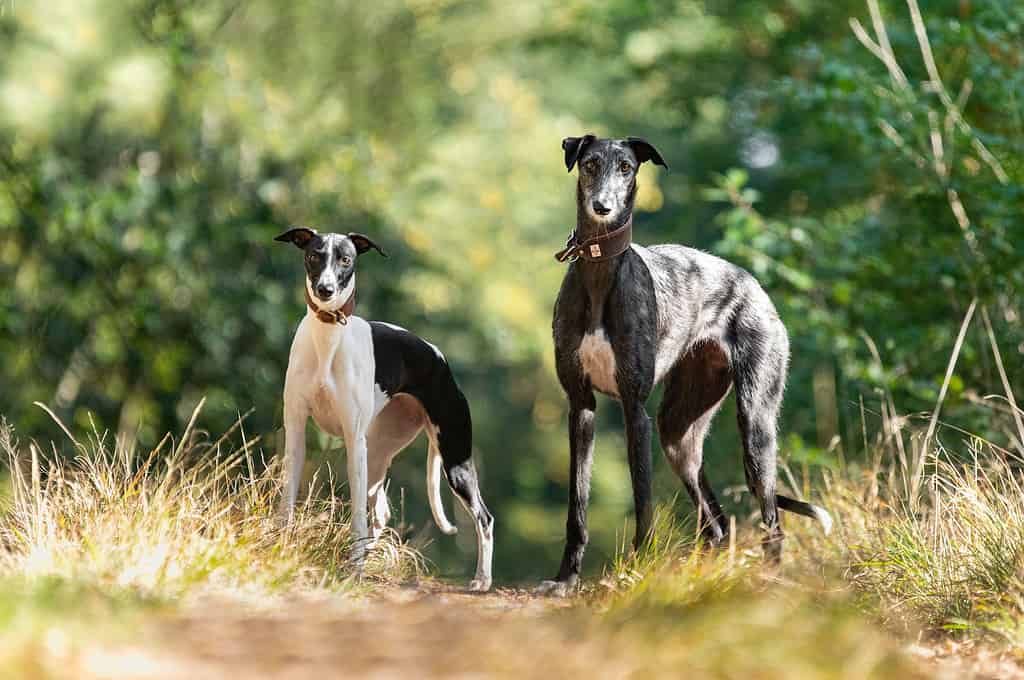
(952, 561)
(172, 523)
(927, 553)
(721, 614)
(171, 564)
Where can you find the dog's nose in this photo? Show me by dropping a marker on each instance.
(600, 208)
(324, 291)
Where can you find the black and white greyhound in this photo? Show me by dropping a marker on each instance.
(629, 317)
(377, 386)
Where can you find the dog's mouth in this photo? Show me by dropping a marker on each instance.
(321, 296)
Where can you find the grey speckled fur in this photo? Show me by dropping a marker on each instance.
(667, 314)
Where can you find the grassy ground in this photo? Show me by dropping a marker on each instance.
(170, 564)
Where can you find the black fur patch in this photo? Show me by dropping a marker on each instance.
(408, 364)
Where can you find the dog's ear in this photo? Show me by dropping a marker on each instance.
(364, 243)
(300, 236)
(574, 147)
(645, 151)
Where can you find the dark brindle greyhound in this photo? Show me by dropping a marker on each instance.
(628, 317)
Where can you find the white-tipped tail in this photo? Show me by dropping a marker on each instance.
(822, 516)
(434, 490)
(807, 510)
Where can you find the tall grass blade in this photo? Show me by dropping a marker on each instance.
(950, 367)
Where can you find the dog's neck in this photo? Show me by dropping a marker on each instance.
(328, 337)
(598, 277)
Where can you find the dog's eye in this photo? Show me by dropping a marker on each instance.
(625, 167)
(313, 257)
(346, 261)
(590, 166)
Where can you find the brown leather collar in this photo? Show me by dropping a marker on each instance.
(598, 248)
(337, 316)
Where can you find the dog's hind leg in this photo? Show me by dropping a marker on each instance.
(464, 482)
(760, 359)
(394, 428)
(694, 391)
(454, 443)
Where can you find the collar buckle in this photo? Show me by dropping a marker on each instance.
(571, 251)
(598, 248)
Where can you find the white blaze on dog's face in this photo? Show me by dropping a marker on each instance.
(330, 261)
(330, 268)
(607, 174)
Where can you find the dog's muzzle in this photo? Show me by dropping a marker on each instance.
(338, 316)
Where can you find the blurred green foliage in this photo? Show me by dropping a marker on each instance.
(151, 149)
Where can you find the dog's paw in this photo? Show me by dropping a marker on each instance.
(480, 585)
(357, 558)
(555, 588)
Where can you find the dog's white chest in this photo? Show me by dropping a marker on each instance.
(598, 361)
(332, 371)
(327, 409)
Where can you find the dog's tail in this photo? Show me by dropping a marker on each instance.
(434, 490)
(807, 510)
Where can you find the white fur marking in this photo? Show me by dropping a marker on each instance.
(484, 552)
(380, 399)
(598, 362)
(824, 518)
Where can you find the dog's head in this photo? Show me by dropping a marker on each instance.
(330, 261)
(607, 173)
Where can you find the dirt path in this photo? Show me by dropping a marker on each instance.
(427, 631)
(430, 631)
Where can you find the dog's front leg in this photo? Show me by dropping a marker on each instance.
(295, 416)
(581, 455)
(355, 445)
(638, 436)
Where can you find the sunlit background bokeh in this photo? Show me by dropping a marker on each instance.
(150, 150)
